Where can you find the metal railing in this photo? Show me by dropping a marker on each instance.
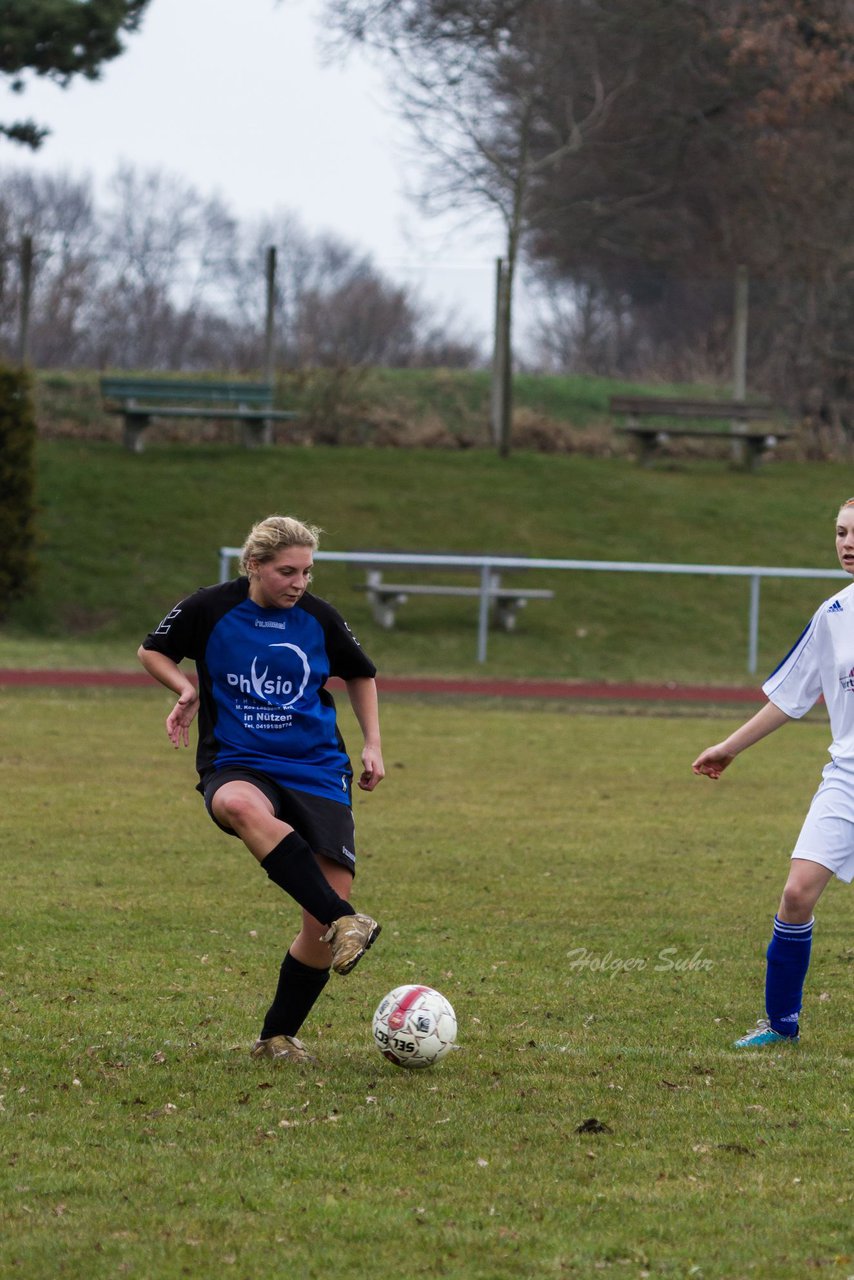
(488, 565)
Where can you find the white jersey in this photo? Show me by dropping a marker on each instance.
(822, 662)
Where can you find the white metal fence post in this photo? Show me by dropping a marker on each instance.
(753, 624)
(483, 612)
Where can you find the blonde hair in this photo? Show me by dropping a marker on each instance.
(268, 537)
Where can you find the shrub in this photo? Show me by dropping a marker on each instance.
(17, 485)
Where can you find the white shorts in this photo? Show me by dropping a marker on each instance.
(827, 836)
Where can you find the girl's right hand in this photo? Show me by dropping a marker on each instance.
(712, 762)
(181, 717)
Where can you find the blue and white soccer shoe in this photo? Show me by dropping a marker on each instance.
(764, 1033)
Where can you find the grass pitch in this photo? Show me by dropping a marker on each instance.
(596, 915)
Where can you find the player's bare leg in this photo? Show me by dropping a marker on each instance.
(292, 865)
(805, 885)
(248, 812)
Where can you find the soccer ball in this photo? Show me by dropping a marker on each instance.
(414, 1026)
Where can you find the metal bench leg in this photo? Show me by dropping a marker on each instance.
(385, 610)
(739, 449)
(506, 612)
(383, 604)
(755, 453)
(647, 449)
(257, 433)
(746, 452)
(648, 446)
(135, 424)
(503, 611)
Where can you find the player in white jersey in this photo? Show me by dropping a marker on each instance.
(821, 663)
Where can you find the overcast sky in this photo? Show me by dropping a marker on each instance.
(235, 95)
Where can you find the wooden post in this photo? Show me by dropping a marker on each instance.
(496, 414)
(507, 370)
(739, 357)
(270, 315)
(26, 298)
(502, 363)
(261, 433)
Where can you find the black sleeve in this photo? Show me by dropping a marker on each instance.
(178, 634)
(347, 659)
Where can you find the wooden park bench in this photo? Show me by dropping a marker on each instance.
(386, 597)
(748, 444)
(138, 400)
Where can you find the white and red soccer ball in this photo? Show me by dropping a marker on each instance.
(414, 1026)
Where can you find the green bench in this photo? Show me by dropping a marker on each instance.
(748, 443)
(138, 400)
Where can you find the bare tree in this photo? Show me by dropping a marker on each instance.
(337, 309)
(472, 81)
(170, 249)
(162, 277)
(58, 214)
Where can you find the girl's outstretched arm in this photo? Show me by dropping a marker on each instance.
(712, 762)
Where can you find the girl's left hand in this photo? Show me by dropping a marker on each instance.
(374, 769)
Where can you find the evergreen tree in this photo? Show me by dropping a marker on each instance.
(59, 39)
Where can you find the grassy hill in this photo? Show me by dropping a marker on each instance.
(382, 407)
(122, 537)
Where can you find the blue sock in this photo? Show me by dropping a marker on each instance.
(788, 960)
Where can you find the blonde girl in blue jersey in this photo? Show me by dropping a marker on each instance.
(821, 663)
(273, 768)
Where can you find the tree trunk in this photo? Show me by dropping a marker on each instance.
(504, 342)
(500, 354)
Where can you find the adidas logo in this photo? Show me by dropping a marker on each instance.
(836, 607)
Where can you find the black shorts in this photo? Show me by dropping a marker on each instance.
(325, 825)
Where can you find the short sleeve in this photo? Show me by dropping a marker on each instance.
(177, 635)
(795, 686)
(347, 658)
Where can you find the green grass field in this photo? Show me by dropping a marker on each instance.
(123, 537)
(596, 915)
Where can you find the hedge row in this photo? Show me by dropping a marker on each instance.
(17, 485)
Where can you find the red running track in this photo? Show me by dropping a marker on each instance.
(583, 689)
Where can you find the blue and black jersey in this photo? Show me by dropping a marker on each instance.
(262, 673)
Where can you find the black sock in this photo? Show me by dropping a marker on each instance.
(299, 986)
(294, 868)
